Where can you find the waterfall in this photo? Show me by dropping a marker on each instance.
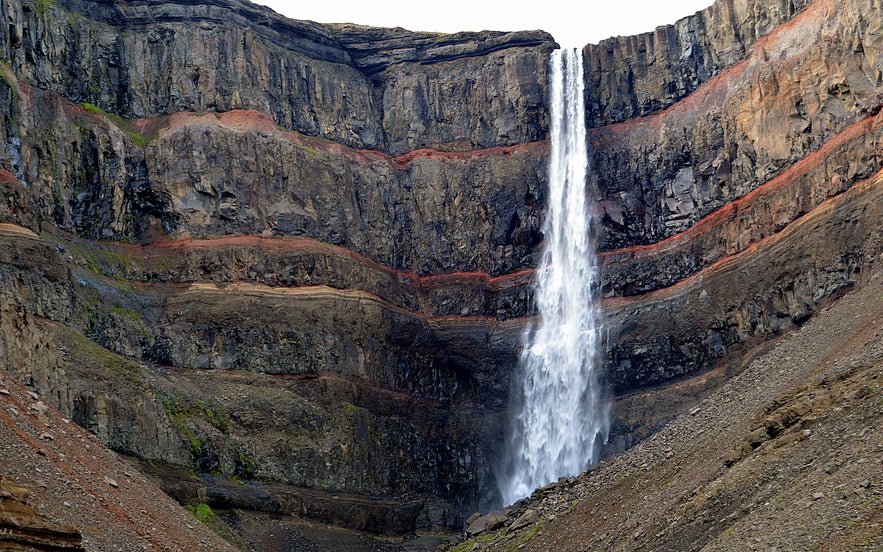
(560, 416)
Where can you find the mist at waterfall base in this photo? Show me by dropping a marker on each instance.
(560, 414)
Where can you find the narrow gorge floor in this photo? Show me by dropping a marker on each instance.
(787, 455)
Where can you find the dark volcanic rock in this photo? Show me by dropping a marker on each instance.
(147, 58)
(633, 76)
(375, 49)
(466, 91)
(764, 291)
(422, 213)
(142, 59)
(301, 256)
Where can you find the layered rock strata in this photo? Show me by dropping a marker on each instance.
(633, 76)
(22, 529)
(301, 256)
(797, 88)
(143, 59)
(318, 289)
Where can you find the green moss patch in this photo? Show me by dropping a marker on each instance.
(204, 513)
(125, 126)
(95, 361)
(43, 6)
(215, 416)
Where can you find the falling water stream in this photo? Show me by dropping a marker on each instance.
(560, 416)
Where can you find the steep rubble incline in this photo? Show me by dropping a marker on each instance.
(67, 477)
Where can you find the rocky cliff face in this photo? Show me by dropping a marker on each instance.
(634, 76)
(301, 256)
(386, 90)
(332, 206)
(744, 158)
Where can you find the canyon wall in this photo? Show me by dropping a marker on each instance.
(195, 188)
(301, 256)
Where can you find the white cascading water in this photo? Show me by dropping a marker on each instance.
(561, 416)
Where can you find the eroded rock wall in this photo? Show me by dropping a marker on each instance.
(308, 250)
(634, 76)
(147, 59)
(751, 153)
(792, 92)
(223, 189)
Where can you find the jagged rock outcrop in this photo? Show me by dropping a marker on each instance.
(634, 76)
(147, 59)
(465, 91)
(301, 256)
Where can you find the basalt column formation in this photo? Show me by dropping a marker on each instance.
(296, 260)
(250, 249)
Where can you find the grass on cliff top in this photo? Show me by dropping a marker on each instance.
(125, 126)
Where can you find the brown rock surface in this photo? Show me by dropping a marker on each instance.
(633, 76)
(22, 529)
(797, 88)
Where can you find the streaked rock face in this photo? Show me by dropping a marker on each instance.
(634, 76)
(311, 247)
